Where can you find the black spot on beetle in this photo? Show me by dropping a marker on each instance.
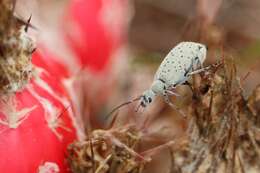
(149, 99)
(161, 80)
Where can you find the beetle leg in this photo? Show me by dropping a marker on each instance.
(172, 93)
(198, 63)
(199, 70)
(187, 71)
(172, 86)
(188, 84)
(168, 101)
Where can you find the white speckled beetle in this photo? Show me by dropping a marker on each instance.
(181, 62)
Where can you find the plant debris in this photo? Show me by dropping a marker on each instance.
(16, 48)
(224, 128)
(107, 151)
(222, 135)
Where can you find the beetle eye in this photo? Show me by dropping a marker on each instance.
(145, 99)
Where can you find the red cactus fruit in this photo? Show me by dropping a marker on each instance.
(95, 30)
(35, 124)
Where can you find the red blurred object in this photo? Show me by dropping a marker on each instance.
(35, 126)
(94, 29)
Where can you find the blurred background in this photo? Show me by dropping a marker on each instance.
(113, 48)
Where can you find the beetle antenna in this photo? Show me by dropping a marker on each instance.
(121, 105)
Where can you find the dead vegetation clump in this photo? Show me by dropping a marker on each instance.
(16, 48)
(107, 151)
(224, 128)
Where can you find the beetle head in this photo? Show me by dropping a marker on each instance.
(147, 98)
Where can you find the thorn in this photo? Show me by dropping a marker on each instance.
(14, 5)
(251, 69)
(28, 23)
(63, 111)
(34, 49)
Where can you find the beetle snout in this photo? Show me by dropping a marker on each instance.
(143, 104)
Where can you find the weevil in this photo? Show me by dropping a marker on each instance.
(184, 60)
